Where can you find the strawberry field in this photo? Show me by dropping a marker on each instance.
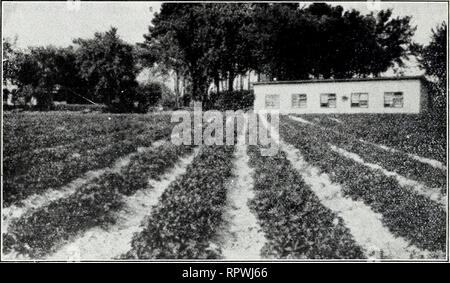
(101, 186)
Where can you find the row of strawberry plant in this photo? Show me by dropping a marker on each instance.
(294, 221)
(27, 132)
(41, 231)
(420, 134)
(55, 173)
(189, 211)
(393, 161)
(21, 163)
(405, 213)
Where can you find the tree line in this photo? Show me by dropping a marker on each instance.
(207, 43)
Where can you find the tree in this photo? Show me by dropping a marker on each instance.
(10, 53)
(162, 55)
(231, 52)
(433, 58)
(212, 42)
(108, 65)
(148, 95)
(323, 41)
(184, 26)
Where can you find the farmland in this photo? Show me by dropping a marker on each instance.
(112, 186)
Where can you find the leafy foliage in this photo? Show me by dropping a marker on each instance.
(32, 172)
(422, 134)
(294, 221)
(322, 41)
(433, 58)
(230, 100)
(108, 66)
(92, 205)
(405, 213)
(189, 211)
(212, 42)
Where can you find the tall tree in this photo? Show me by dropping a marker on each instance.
(184, 26)
(230, 27)
(433, 58)
(323, 41)
(108, 65)
(10, 53)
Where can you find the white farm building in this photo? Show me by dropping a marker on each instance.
(361, 95)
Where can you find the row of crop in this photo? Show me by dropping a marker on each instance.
(27, 132)
(405, 213)
(422, 134)
(294, 221)
(21, 163)
(57, 172)
(398, 162)
(189, 212)
(41, 231)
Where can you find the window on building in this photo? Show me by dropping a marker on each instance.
(272, 101)
(360, 100)
(328, 100)
(299, 100)
(393, 99)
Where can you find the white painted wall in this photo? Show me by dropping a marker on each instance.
(411, 88)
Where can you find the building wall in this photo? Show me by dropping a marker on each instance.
(414, 96)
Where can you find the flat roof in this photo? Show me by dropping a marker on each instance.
(341, 80)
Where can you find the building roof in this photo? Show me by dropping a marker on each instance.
(341, 80)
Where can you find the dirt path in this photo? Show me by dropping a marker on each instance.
(38, 200)
(241, 236)
(432, 193)
(105, 244)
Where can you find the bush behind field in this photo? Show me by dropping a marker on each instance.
(230, 100)
(79, 107)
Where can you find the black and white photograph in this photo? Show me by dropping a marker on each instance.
(224, 132)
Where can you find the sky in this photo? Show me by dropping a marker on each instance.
(50, 23)
(43, 23)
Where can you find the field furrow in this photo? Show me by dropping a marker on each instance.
(189, 212)
(32, 131)
(398, 162)
(108, 243)
(421, 135)
(434, 194)
(240, 236)
(41, 200)
(406, 213)
(365, 226)
(296, 224)
(45, 229)
(56, 173)
(432, 162)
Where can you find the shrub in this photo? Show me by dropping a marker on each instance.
(79, 107)
(147, 95)
(44, 98)
(230, 100)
